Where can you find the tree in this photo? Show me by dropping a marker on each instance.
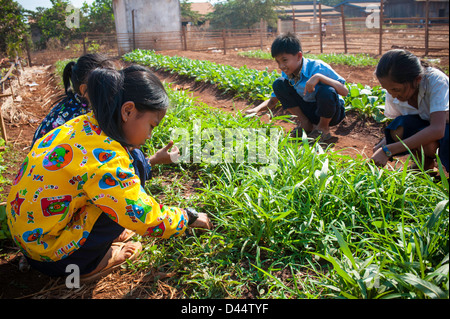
(98, 17)
(188, 14)
(12, 27)
(52, 23)
(237, 14)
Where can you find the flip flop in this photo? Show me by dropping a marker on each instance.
(319, 134)
(297, 132)
(125, 236)
(112, 262)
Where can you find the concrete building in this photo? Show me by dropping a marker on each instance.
(147, 24)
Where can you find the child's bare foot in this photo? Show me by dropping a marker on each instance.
(255, 109)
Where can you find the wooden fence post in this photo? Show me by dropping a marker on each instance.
(343, 28)
(261, 26)
(320, 27)
(184, 36)
(427, 23)
(27, 47)
(380, 48)
(3, 128)
(224, 37)
(134, 31)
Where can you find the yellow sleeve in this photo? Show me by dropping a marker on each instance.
(115, 189)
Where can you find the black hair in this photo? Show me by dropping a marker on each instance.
(109, 89)
(76, 73)
(400, 66)
(286, 43)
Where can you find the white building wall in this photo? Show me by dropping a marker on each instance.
(157, 24)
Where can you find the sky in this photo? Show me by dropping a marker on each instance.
(33, 4)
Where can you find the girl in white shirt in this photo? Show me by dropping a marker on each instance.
(417, 99)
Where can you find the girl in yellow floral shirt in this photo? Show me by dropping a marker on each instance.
(77, 191)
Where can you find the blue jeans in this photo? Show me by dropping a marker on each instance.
(327, 104)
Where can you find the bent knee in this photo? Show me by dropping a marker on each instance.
(430, 149)
(397, 134)
(279, 85)
(326, 93)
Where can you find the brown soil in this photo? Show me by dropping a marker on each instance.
(354, 135)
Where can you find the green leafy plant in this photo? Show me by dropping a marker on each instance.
(4, 230)
(368, 102)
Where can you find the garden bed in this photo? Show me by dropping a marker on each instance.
(262, 247)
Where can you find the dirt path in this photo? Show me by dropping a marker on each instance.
(39, 90)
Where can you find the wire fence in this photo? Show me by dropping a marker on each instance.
(328, 33)
(348, 37)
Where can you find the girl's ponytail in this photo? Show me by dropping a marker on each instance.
(105, 91)
(67, 76)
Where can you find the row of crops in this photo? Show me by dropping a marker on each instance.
(317, 224)
(250, 83)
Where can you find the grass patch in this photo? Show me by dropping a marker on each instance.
(320, 225)
(360, 59)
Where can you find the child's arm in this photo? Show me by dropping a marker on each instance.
(270, 103)
(133, 208)
(433, 132)
(340, 88)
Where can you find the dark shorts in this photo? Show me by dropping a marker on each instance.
(88, 257)
(411, 125)
(327, 104)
